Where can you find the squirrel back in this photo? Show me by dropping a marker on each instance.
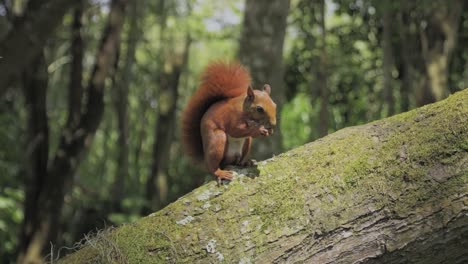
(219, 81)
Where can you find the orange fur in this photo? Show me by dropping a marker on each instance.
(222, 117)
(219, 81)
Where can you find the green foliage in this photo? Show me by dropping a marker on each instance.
(354, 81)
(296, 119)
(11, 215)
(11, 178)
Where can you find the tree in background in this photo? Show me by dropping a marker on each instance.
(158, 183)
(322, 73)
(261, 50)
(121, 103)
(35, 81)
(325, 79)
(438, 40)
(376, 68)
(427, 39)
(172, 60)
(26, 38)
(406, 63)
(44, 201)
(387, 61)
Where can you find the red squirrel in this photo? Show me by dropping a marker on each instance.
(223, 116)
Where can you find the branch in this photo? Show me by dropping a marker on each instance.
(392, 191)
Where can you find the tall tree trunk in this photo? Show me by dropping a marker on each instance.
(438, 41)
(157, 185)
(75, 86)
(393, 191)
(141, 134)
(323, 74)
(406, 54)
(73, 142)
(75, 91)
(261, 50)
(387, 57)
(121, 106)
(27, 37)
(35, 92)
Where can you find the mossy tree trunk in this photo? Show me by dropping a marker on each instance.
(392, 191)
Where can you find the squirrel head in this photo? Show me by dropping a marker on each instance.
(260, 109)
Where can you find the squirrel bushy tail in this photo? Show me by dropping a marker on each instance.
(219, 81)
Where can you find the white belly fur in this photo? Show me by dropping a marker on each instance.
(234, 147)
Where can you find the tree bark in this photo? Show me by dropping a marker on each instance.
(73, 142)
(75, 91)
(392, 191)
(261, 50)
(406, 56)
(35, 92)
(323, 74)
(121, 106)
(387, 63)
(438, 40)
(25, 40)
(157, 185)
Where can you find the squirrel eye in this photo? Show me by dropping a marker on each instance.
(260, 109)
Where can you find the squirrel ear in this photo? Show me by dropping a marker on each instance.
(267, 88)
(250, 94)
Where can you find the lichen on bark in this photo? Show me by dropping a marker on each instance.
(368, 193)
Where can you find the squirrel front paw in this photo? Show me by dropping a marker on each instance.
(264, 132)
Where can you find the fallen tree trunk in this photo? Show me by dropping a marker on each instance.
(392, 191)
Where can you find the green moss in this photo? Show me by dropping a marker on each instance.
(398, 164)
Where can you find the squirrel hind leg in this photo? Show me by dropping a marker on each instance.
(224, 175)
(215, 143)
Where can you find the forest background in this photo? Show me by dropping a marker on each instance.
(91, 93)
